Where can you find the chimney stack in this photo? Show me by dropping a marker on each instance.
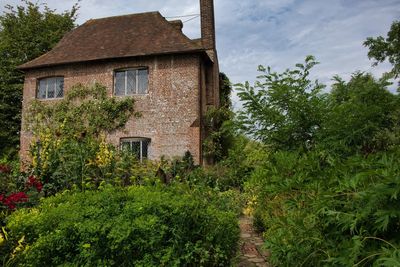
(178, 24)
(207, 23)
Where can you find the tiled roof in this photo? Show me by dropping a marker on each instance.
(117, 37)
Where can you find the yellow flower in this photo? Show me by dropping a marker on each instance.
(104, 155)
(2, 239)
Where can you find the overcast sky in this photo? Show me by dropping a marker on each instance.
(277, 33)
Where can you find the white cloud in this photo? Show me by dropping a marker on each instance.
(278, 33)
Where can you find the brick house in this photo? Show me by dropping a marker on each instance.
(172, 78)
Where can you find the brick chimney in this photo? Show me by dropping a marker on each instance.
(207, 23)
(178, 24)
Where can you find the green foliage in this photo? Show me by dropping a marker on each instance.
(225, 91)
(85, 111)
(362, 116)
(381, 49)
(137, 226)
(17, 190)
(317, 210)
(26, 32)
(218, 124)
(233, 171)
(220, 133)
(327, 192)
(283, 110)
(11, 179)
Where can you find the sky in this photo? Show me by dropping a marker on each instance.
(276, 33)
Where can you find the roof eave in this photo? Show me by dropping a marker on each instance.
(26, 68)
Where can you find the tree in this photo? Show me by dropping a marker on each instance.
(283, 110)
(217, 123)
(362, 116)
(381, 49)
(26, 32)
(225, 91)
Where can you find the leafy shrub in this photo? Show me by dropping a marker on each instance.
(16, 189)
(11, 180)
(317, 210)
(283, 110)
(135, 226)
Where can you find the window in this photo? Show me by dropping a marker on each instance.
(137, 146)
(50, 88)
(131, 82)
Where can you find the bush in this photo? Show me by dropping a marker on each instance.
(16, 189)
(318, 210)
(135, 226)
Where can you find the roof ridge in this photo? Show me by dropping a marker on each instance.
(126, 15)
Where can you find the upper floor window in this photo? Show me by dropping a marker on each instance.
(50, 88)
(131, 82)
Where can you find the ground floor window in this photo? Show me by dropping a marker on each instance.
(137, 146)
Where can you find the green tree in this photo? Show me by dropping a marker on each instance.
(283, 110)
(26, 32)
(381, 49)
(362, 116)
(225, 91)
(218, 123)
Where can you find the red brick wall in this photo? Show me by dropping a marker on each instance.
(170, 108)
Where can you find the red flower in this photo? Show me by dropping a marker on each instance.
(11, 206)
(18, 197)
(12, 199)
(33, 182)
(39, 186)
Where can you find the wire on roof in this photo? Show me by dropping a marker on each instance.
(183, 16)
(191, 19)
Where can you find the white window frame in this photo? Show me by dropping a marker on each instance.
(47, 88)
(126, 81)
(140, 140)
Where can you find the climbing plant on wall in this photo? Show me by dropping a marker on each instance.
(69, 145)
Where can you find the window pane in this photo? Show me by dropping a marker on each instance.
(136, 149)
(143, 81)
(145, 144)
(120, 83)
(131, 82)
(51, 87)
(60, 88)
(41, 93)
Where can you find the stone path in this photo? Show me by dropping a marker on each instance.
(251, 252)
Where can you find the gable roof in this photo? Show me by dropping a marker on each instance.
(117, 37)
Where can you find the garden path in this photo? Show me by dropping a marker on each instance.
(252, 253)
